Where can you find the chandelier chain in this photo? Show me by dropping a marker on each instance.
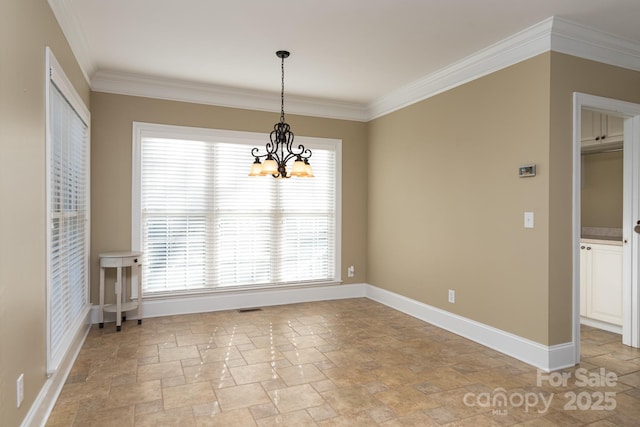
(282, 92)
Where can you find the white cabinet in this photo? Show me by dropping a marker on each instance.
(601, 282)
(600, 129)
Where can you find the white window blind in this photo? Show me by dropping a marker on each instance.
(67, 214)
(205, 224)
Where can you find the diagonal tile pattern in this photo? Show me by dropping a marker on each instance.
(334, 363)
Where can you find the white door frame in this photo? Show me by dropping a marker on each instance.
(631, 213)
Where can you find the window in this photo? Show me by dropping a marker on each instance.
(204, 224)
(67, 143)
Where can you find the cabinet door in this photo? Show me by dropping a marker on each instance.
(614, 127)
(590, 128)
(604, 296)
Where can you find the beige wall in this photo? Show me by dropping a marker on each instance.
(27, 26)
(446, 204)
(602, 190)
(112, 118)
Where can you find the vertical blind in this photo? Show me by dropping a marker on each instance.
(68, 215)
(205, 224)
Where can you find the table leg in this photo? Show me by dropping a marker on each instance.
(119, 299)
(125, 299)
(101, 313)
(138, 270)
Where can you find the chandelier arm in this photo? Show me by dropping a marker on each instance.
(288, 157)
(306, 153)
(301, 151)
(288, 138)
(255, 152)
(271, 147)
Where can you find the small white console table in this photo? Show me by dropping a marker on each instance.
(120, 260)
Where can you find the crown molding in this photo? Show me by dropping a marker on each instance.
(552, 34)
(224, 96)
(515, 48)
(76, 38)
(585, 42)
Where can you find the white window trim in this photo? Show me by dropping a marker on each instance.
(55, 73)
(251, 139)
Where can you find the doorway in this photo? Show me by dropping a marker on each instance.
(630, 113)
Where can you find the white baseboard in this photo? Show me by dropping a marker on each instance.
(616, 329)
(547, 358)
(46, 399)
(220, 301)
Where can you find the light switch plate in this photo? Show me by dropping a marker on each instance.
(528, 220)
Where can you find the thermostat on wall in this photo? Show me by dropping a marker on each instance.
(527, 171)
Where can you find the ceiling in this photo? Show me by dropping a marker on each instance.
(354, 51)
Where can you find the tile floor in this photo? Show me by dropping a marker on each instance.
(336, 363)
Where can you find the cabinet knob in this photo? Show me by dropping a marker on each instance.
(588, 248)
(597, 138)
(604, 136)
(582, 247)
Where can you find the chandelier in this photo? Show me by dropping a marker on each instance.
(280, 149)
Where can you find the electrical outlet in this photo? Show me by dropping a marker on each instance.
(19, 390)
(452, 296)
(351, 271)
